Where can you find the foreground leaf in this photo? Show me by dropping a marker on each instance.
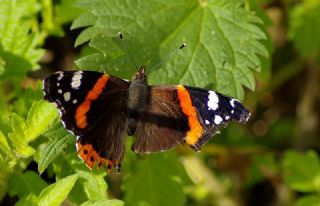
(57, 192)
(60, 138)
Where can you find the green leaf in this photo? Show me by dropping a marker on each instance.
(30, 200)
(302, 171)
(60, 138)
(17, 45)
(103, 203)
(40, 117)
(224, 41)
(17, 137)
(57, 192)
(160, 178)
(304, 27)
(310, 200)
(22, 184)
(95, 185)
(4, 146)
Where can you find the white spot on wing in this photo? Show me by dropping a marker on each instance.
(59, 91)
(76, 80)
(207, 121)
(217, 119)
(227, 117)
(213, 100)
(232, 102)
(232, 111)
(58, 84)
(60, 76)
(74, 101)
(67, 96)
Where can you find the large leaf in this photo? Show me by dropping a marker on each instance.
(156, 180)
(224, 42)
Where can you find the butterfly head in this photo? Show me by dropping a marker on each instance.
(140, 76)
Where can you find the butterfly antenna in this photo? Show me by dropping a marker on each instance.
(127, 50)
(169, 57)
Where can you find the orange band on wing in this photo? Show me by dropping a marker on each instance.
(90, 156)
(81, 112)
(189, 110)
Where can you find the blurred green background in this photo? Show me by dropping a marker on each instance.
(264, 52)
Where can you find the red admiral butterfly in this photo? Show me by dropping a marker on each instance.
(102, 110)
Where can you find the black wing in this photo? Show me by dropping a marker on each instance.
(92, 106)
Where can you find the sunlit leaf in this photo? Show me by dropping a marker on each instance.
(54, 194)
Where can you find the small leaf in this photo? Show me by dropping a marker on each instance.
(40, 117)
(22, 184)
(302, 171)
(19, 127)
(103, 203)
(60, 138)
(54, 194)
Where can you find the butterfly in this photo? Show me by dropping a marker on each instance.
(102, 110)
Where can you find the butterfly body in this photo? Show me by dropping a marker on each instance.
(102, 110)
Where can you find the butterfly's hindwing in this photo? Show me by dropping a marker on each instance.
(162, 125)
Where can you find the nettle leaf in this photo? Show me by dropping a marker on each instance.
(302, 171)
(224, 41)
(22, 184)
(304, 27)
(18, 47)
(59, 139)
(160, 178)
(57, 192)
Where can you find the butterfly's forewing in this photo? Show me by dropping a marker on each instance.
(84, 100)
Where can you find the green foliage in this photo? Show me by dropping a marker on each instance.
(157, 174)
(223, 41)
(305, 27)
(227, 46)
(302, 171)
(18, 48)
